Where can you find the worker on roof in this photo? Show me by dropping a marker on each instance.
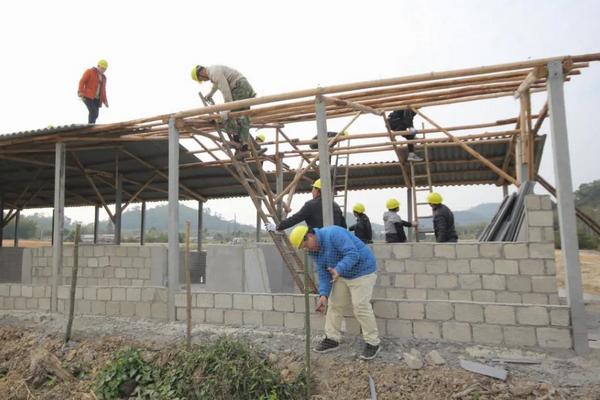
(393, 223)
(347, 272)
(92, 89)
(234, 87)
(311, 213)
(443, 219)
(362, 227)
(402, 120)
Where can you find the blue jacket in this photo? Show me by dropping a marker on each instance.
(343, 251)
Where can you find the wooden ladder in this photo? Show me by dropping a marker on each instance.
(417, 192)
(340, 181)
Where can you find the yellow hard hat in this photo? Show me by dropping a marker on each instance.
(103, 63)
(195, 73)
(261, 137)
(359, 208)
(392, 203)
(297, 235)
(434, 198)
(317, 184)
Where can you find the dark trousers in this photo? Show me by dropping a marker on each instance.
(93, 106)
(411, 147)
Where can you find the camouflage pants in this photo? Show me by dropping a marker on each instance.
(239, 128)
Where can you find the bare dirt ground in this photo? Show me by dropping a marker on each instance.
(559, 375)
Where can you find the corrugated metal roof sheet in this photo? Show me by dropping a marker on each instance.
(44, 131)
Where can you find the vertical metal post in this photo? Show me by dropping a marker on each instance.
(324, 169)
(200, 224)
(142, 222)
(58, 223)
(1, 219)
(118, 206)
(173, 257)
(566, 205)
(409, 213)
(17, 217)
(96, 220)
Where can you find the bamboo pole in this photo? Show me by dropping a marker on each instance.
(73, 283)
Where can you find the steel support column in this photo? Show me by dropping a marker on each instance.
(324, 169)
(566, 205)
(118, 208)
(58, 222)
(142, 222)
(173, 257)
(96, 220)
(16, 240)
(200, 223)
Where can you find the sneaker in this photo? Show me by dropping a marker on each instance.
(412, 157)
(369, 352)
(326, 345)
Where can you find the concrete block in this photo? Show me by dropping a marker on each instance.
(519, 336)
(509, 298)
(4, 290)
(262, 302)
(273, 318)
(214, 316)
(488, 334)
(535, 234)
(26, 291)
(548, 234)
(532, 202)
(467, 250)
(9, 303)
(252, 318)
(437, 294)
(446, 281)
(223, 300)
(469, 281)
(496, 314)
(456, 331)
(404, 280)
(518, 284)
(89, 293)
(92, 262)
(31, 303)
(516, 250)
(103, 294)
(427, 330)
(415, 267)
(138, 262)
(384, 280)
(425, 281)
(393, 293)
(490, 250)
(385, 309)
(494, 282)
(159, 311)
(144, 274)
(126, 262)
(112, 308)
(120, 273)
(541, 250)
(422, 250)
(180, 314)
(20, 303)
(281, 303)
(411, 311)
(293, 320)
(38, 291)
(535, 298)
(560, 317)
(482, 266)
(468, 312)
(394, 266)
(44, 304)
(317, 324)
(540, 218)
(531, 267)
(132, 273)
(379, 292)
(63, 292)
(550, 267)
(233, 317)
(439, 311)
(15, 290)
(463, 295)
(180, 300)
(506, 267)
(416, 294)
(533, 316)
(400, 329)
(118, 294)
(402, 251)
(205, 300)
(546, 202)
(134, 294)
(382, 251)
(98, 307)
(83, 307)
(458, 266)
(436, 267)
(555, 300)
(445, 250)
(127, 309)
(544, 284)
(554, 338)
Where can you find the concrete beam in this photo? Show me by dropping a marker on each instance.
(324, 168)
(200, 224)
(173, 235)
(142, 223)
(58, 223)
(17, 217)
(118, 207)
(96, 220)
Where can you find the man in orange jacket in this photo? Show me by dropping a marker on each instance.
(92, 89)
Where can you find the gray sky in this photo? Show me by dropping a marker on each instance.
(282, 46)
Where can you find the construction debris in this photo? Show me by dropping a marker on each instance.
(478, 368)
(434, 358)
(413, 359)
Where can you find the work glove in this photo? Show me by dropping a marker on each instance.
(270, 227)
(412, 131)
(224, 115)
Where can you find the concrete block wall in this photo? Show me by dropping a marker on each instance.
(103, 265)
(511, 325)
(24, 297)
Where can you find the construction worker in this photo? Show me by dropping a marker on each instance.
(347, 273)
(393, 223)
(259, 139)
(92, 90)
(233, 86)
(362, 227)
(443, 219)
(311, 213)
(402, 120)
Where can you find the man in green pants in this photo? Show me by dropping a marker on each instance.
(233, 86)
